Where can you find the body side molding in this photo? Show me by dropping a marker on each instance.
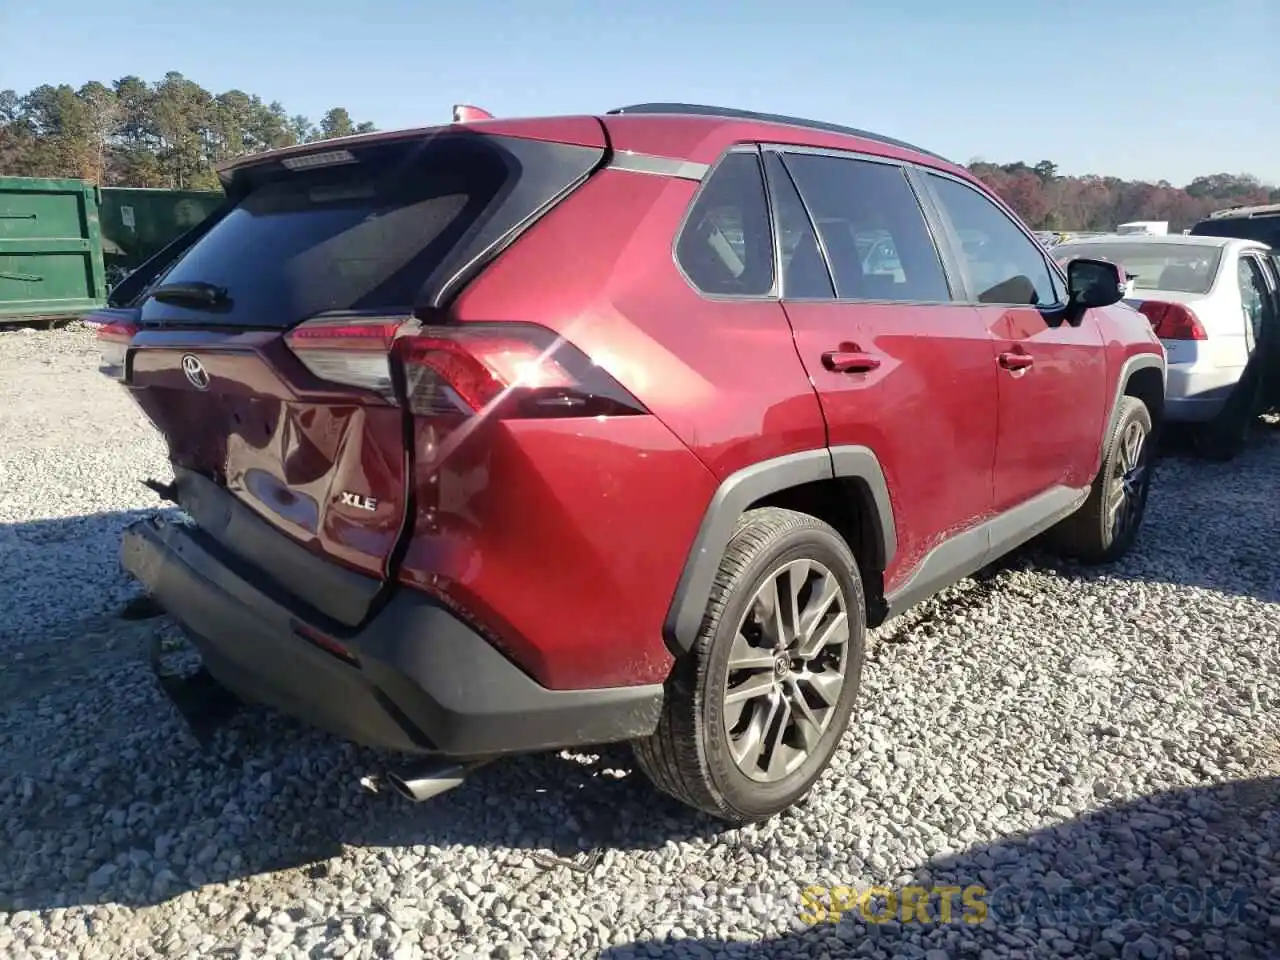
(970, 551)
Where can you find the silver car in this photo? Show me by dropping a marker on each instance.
(1210, 300)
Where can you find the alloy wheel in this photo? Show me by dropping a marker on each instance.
(787, 668)
(1129, 480)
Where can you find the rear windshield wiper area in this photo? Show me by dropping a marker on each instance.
(190, 294)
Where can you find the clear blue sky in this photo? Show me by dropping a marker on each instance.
(1143, 89)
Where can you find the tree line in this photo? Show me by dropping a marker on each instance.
(1048, 201)
(172, 133)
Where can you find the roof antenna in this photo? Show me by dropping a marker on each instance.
(465, 113)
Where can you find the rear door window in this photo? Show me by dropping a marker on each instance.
(804, 271)
(1255, 297)
(379, 232)
(872, 229)
(726, 245)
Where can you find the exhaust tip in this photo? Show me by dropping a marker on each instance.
(427, 780)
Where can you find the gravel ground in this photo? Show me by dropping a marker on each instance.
(1041, 730)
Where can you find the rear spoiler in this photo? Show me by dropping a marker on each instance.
(227, 170)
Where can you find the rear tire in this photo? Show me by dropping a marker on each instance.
(755, 711)
(1223, 438)
(1105, 526)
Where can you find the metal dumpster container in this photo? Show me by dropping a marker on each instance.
(50, 249)
(138, 222)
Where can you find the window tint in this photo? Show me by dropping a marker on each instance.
(804, 272)
(368, 234)
(1002, 263)
(726, 246)
(875, 236)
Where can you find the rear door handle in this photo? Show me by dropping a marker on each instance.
(846, 361)
(1016, 361)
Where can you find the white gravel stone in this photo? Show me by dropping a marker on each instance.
(1042, 728)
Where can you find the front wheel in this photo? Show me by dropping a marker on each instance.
(755, 711)
(1105, 526)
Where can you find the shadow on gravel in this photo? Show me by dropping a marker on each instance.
(273, 796)
(1188, 873)
(105, 797)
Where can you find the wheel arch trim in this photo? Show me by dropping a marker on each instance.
(746, 486)
(1141, 361)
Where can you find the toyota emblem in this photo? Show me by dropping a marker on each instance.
(195, 371)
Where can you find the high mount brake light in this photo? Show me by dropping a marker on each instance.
(1173, 321)
(508, 370)
(114, 337)
(312, 161)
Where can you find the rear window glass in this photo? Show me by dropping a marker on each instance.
(1173, 267)
(371, 235)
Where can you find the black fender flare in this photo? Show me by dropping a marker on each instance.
(741, 489)
(1131, 366)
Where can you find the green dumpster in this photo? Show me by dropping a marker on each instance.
(138, 222)
(50, 249)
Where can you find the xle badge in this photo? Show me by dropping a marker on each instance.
(357, 501)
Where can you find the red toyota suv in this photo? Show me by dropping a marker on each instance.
(515, 435)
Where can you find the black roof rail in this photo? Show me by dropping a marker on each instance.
(732, 113)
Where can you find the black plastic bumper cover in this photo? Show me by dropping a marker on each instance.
(425, 681)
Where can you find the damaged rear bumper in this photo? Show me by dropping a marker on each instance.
(415, 679)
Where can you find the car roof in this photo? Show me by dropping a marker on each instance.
(712, 113)
(1244, 213)
(1177, 239)
(757, 126)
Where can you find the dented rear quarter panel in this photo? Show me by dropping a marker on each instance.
(570, 535)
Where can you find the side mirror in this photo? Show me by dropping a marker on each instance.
(1094, 283)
